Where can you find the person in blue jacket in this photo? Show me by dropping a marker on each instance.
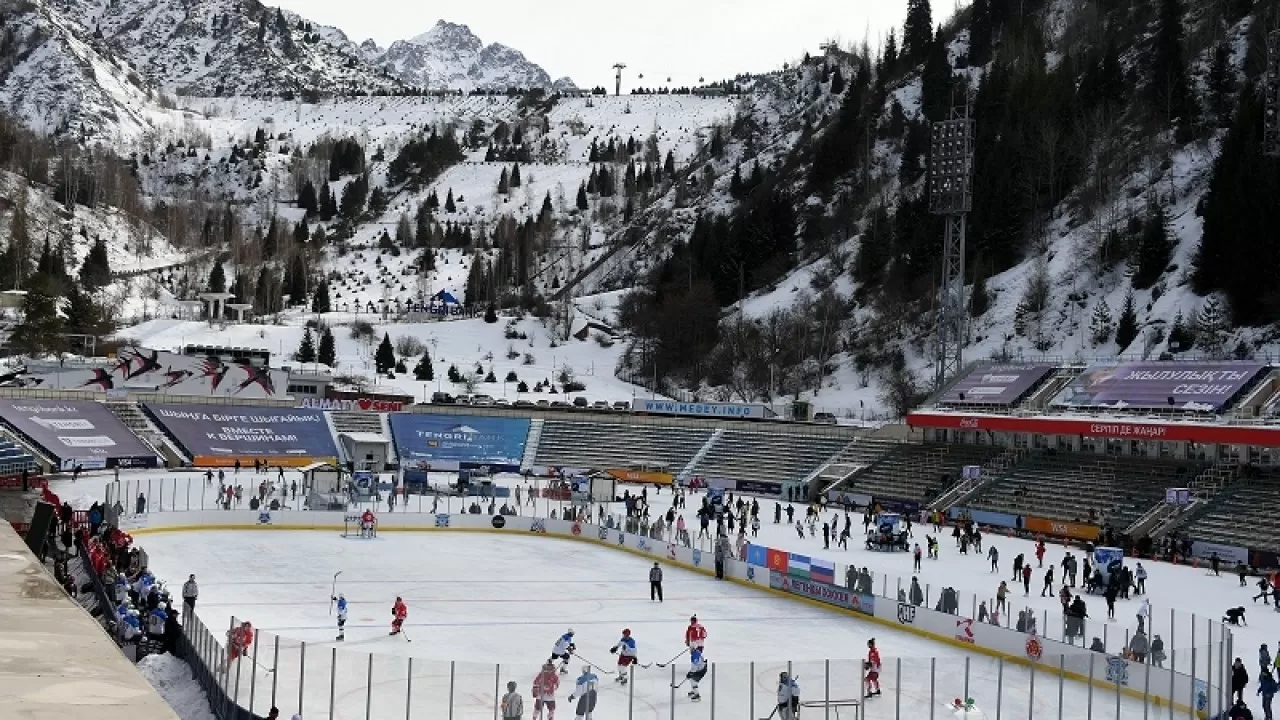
(1267, 689)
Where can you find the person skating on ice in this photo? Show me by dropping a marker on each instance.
(545, 684)
(585, 691)
(627, 654)
(342, 617)
(697, 670)
(561, 651)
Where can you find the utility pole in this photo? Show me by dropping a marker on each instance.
(951, 195)
(619, 67)
(1271, 90)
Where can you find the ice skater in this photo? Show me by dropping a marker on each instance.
(342, 617)
(625, 649)
(399, 612)
(994, 556)
(585, 691)
(563, 648)
(872, 667)
(545, 684)
(788, 697)
(697, 671)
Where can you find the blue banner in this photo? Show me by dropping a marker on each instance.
(450, 442)
(986, 517)
(758, 555)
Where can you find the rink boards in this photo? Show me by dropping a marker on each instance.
(1160, 686)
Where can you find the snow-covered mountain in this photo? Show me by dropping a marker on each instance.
(220, 47)
(450, 56)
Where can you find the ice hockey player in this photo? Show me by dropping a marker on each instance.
(398, 613)
(872, 666)
(366, 524)
(788, 697)
(342, 617)
(697, 670)
(585, 691)
(563, 648)
(695, 636)
(625, 649)
(545, 684)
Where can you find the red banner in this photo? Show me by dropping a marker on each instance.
(1108, 428)
(777, 560)
(14, 482)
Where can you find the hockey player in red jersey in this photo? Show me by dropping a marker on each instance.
(872, 666)
(545, 684)
(399, 612)
(695, 636)
(239, 639)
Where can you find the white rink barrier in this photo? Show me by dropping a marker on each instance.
(1163, 691)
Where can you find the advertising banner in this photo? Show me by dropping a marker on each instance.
(995, 384)
(445, 441)
(72, 432)
(760, 487)
(709, 409)
(220, 435)
(822, 592)
(1205, 432)
(1061, 528)
(986, 517)
(1206, 386)
(1228, 553)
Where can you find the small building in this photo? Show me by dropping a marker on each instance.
(365, 450)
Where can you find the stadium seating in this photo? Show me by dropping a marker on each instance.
(15, 459)
(918, 472)
(600, 446)
(768, 457)
(1066, 486)
(1246, 513)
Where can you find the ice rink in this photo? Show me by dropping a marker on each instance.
(482, 599)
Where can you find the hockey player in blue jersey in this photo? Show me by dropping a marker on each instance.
(585, 691)
(626, 652)
(342, 617)
(564, 647)
(697, 671)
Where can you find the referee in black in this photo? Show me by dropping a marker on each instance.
(655, 583)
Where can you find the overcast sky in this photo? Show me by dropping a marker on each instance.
(686, 40)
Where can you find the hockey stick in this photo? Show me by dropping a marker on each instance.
(406, 636)
(589, 662)
(678, 685)
(333, 594)
(677, 657)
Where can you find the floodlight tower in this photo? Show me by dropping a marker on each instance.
(951, 196)
(1271, 89)
(619, 67)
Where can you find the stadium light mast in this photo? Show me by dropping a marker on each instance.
(951, 196)
(619, 67)
(1271, 89)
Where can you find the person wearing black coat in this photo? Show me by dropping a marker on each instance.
(1239, 679)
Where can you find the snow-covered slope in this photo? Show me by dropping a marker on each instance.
(449, 56)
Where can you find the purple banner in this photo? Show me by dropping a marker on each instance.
(995, 384)
(1205, 387)
(77, 433)
(231, 432)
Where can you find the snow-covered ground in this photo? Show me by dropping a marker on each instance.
(466, 343)
(171, 677)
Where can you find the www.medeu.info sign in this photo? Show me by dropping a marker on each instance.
(220, 435)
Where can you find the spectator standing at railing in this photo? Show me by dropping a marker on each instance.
(141, 505)
(190, 591)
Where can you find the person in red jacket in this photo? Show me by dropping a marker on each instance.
(545, 684)
(872, 666)
(1040, 553)
(695, 636)
(399, 612)
(1026, 579)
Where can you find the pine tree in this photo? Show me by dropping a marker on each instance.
(83, 315)
(40, 332)
(504, 183)
(717, 143)
(328, 207)
(582, 197)
(917, 31)
(328, 353)
(1100, 325)
(1168, 87)
(1153, 252)
(1212, 327)
(980, 33)
(449, 206)
(837, 82)
(490, 315)
(1222, 85)
(515, 175)
(96, 270)
(307, 350)
(1180, 337)
(669, 165)
(354, 196)
(1127, 326)
(385, 357)
(217, 279)
(423, 371)
(295, 285)
(889, 60)
(307, 199)
(936, 82)
(320, 302)
(404, 232)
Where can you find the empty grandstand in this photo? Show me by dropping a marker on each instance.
(609, 445)
(767, 457)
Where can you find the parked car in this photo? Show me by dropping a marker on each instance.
(442, 398)
(580, 402)
(544, 403)
(482, 401)
(622, 405)
(560, 404)
(524, 404)
(502, 402)
(824, 418)
(600, 405)
(463, 400)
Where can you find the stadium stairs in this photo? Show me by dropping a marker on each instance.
(1246, 513)
(600, 446)
(139, 424)
(1118, 489)
(14, 459)
(36, 458)
(917, 472)
(767, 457)
(858, 454)
(1163, 518)
(991, 473)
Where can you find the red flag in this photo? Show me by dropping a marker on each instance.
(777, 560)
